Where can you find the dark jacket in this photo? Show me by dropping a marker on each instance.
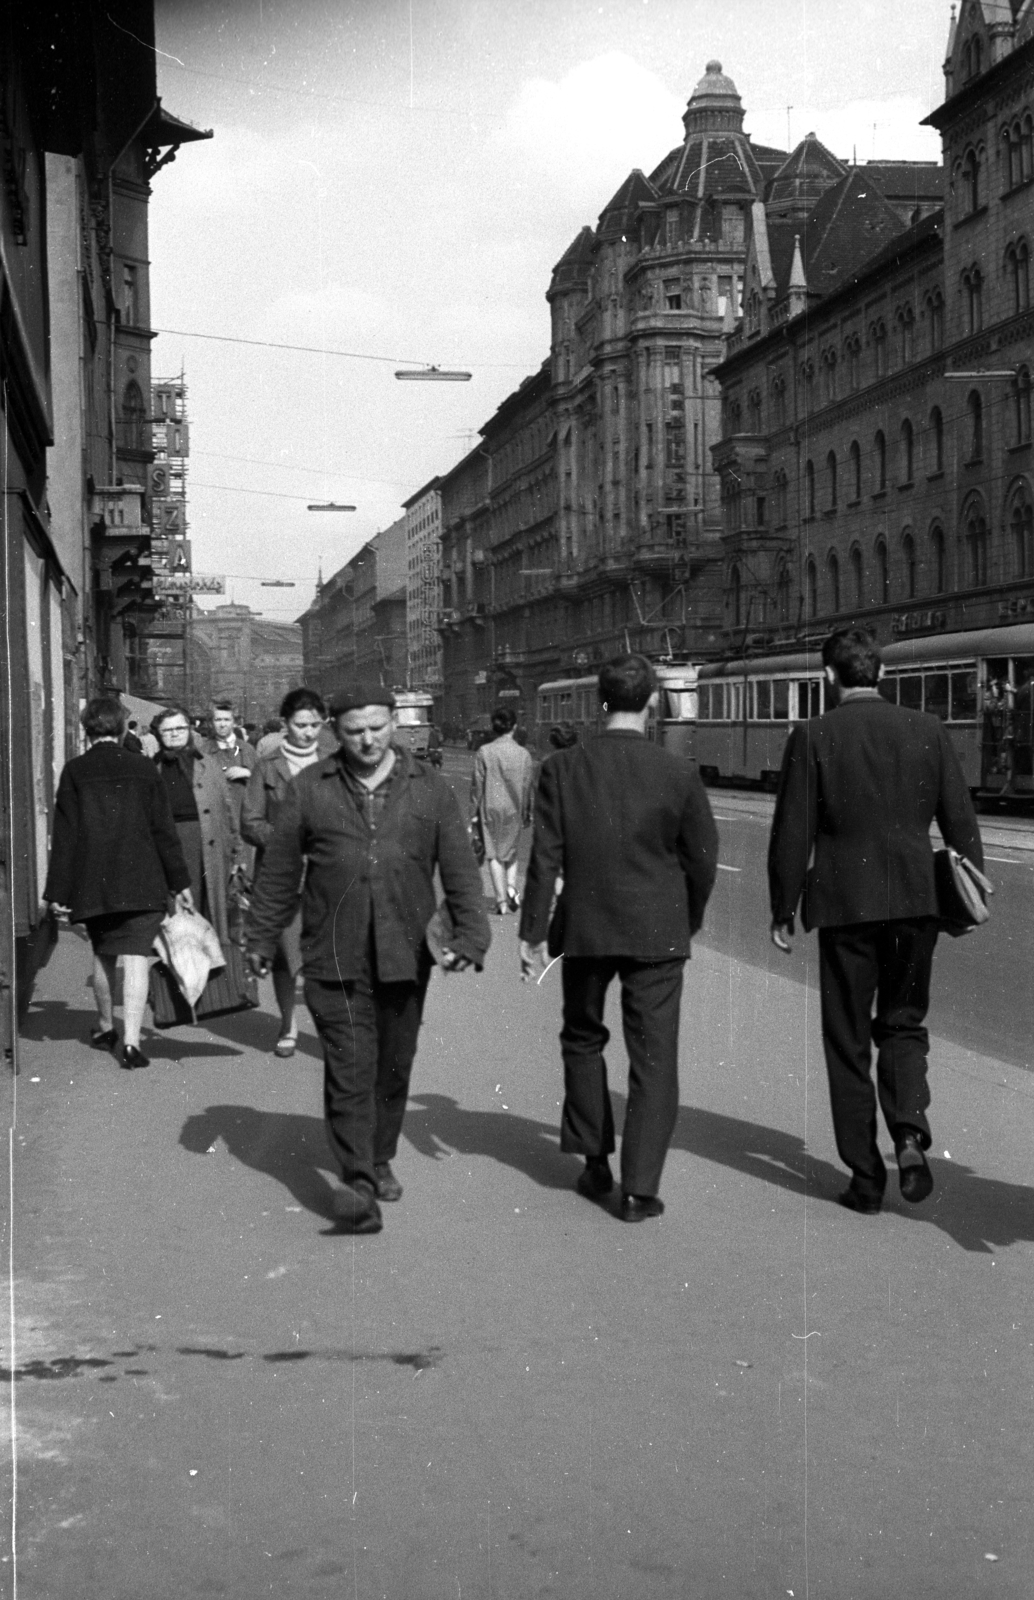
(263, 798)
(629, 829)
(858, 790)
(355, 874)
(115, 845)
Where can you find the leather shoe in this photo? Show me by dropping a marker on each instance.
(914, 1176)
(637, 1207)
(133, 1058)
(867, 1205)
(388, 1186)
(357, 1210)
(596, 1181)
(104, 1039)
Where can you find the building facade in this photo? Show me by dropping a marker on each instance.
(424, 590)
(232, 650)
(83, 133)
(876, 396)
(355, 630)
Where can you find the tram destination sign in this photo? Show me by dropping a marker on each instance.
(188, 583)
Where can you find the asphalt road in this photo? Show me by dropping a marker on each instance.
(508, 1393)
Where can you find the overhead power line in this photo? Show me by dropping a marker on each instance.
(323, 350)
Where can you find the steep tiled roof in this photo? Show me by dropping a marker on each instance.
(715, 164)
(850, 224)
(804, 176)
(907, 181)
(576, 262)
(618, 214)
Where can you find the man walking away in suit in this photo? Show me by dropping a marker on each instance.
(629, 829)
(858, 790)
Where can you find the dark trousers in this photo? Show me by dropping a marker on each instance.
(886, 964)
(368, 1030)
(650, 996)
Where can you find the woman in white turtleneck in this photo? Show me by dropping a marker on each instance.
(304, 716)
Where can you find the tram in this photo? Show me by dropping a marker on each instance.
(575, 701)
(414, 709)
(980, 683)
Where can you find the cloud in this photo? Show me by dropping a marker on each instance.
(585, 132)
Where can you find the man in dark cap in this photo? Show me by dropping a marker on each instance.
(368, 825)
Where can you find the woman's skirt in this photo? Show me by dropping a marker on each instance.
(124, 933)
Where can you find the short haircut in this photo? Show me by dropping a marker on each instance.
(626, 683)
(173, 709)
(503, 720)
(300, 699)
(223, 702)
(104, 718)
(271, 725)
(854, 656)
(563, 736)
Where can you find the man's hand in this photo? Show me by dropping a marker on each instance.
(61, 912)
(782, 936)
(258, 964)
(452, 962)
(534, 959)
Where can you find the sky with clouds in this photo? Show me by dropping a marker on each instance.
(396, 179)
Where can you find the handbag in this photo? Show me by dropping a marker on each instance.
(962, 892)
(477, 840)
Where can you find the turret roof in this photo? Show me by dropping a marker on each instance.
(806, 173)
(618, 214)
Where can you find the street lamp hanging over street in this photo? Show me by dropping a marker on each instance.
(329, 505)
(432, 375)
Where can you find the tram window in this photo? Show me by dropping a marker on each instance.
(1022, 671)
(679, 704)
(963, 696)
(936, 694)
(734, 702)
(780, 700)
(888, 687)
(704, 702)
(911, 692)
(809, 699)
(764, 698)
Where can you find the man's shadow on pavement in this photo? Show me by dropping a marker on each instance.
(980, 1214)
(436, 1125)
(286, 1146)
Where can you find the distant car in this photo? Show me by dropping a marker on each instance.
(479, 733)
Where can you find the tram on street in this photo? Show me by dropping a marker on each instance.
(980, 683)
(414, 709)
(575, 701)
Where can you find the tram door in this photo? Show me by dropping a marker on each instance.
(1007, 730)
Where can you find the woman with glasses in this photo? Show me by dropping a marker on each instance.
(203, 815)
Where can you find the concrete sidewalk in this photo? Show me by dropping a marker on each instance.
(508, 1393)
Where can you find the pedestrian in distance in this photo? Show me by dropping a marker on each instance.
(370, 825)
(628, 828)
(115, 865)
(131, 739)
(858, 790)
(230, 750)
(500, 798)
(303, 714)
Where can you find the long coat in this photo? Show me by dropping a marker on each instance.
(356, 876)
(629, 829)
(263, 798)
(221, 848)
(115, 846)
(500, 793)
(858, 790)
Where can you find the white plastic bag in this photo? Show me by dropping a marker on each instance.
(187, 943)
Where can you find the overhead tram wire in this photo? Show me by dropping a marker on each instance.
(419, 368)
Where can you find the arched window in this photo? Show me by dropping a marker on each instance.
(831, 479)
(973, 304)
(936, 440)
(853, 359)
(783, 592)
(908, 556)
(975, 411)
(878, 338)
(1017, 266)
(1021, 531)
(1021, 403)
(938, 564)
(736, 596)
(906, 329)
(829, 367)
(971, 181)
(811, 578)
(809, 489)
(935, 321)
(134, 418)
(882, 573)
(855, 458)
(857, 577)
(975, 541)
(1027, 147)
(834, 582)
(880, 461)
(907, 441)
